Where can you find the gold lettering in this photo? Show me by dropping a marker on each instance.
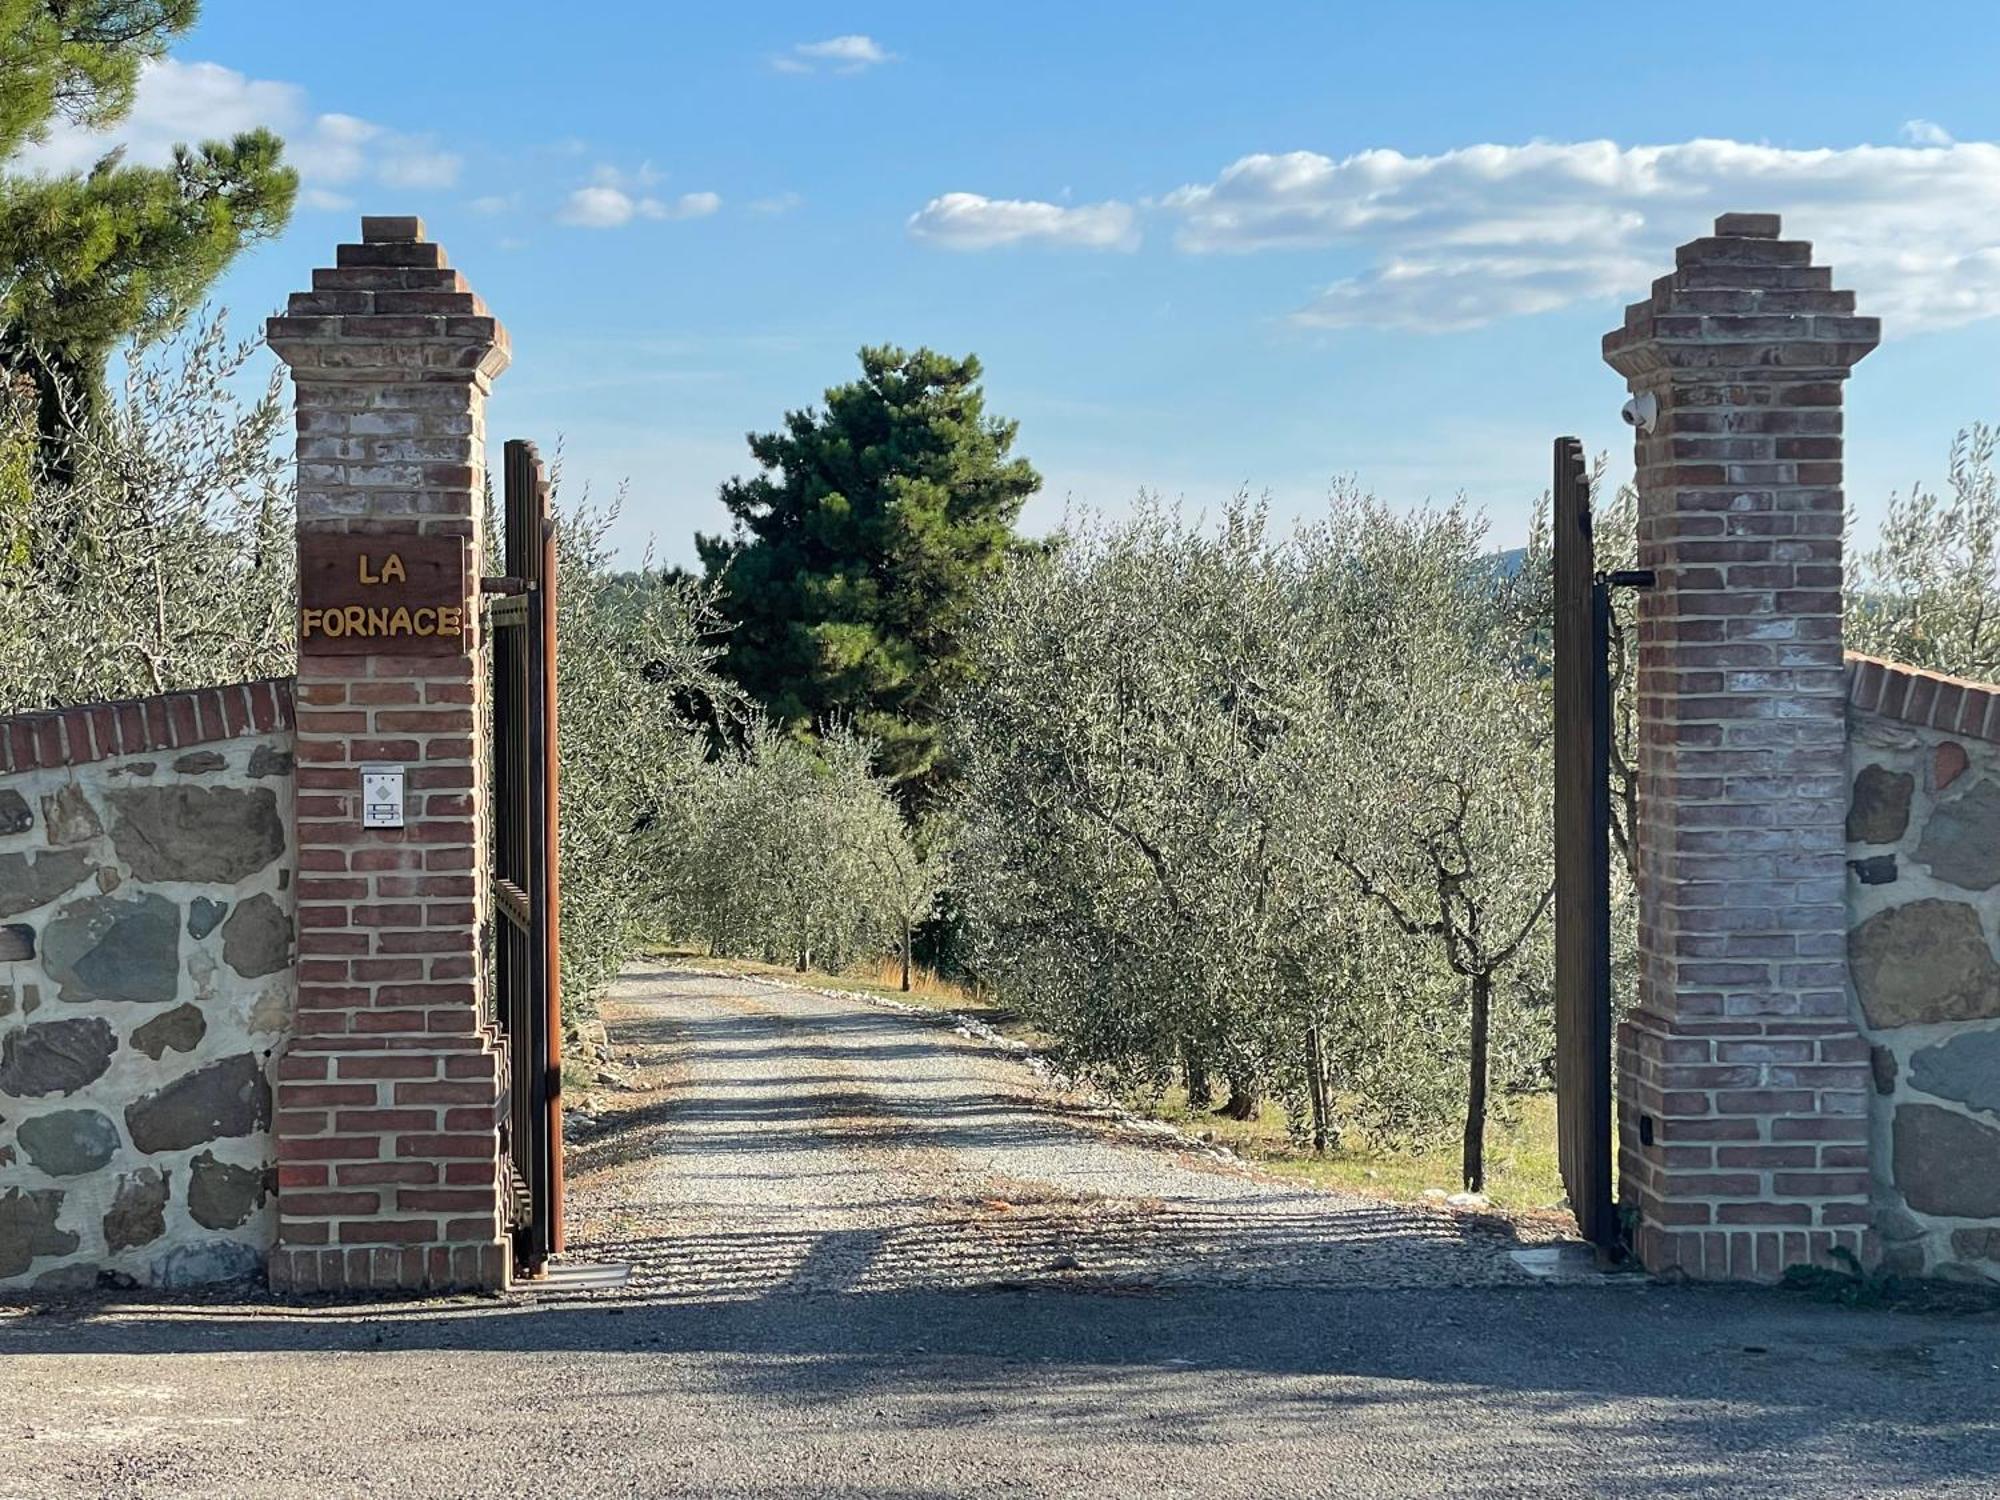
(354, 620)
(451, 620)
(392, 570)
(424, 622)
(399, 622)
(378, 622)
(309, 621)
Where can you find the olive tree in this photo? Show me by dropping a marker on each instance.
(163, 557)
(1448, 781)
(1928, 592)
(794, 850)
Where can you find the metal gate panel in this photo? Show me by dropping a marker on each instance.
(525, 884)
(1583, 857)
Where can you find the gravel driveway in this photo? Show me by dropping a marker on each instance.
(877, 1259)
(809, 1142)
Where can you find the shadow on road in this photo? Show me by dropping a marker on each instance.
(1722, 1376)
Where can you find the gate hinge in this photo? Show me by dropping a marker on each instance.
(1631, 578)
(552, 1085)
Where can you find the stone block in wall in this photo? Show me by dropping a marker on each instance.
(1922, 963)
(1946, 1163)
(209, 835)
(1878, 812)
(1961, 838)
(147, 851)
(1965, 1068)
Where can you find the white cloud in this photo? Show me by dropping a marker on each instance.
(598, 208)
(1487, 232)
(606, 204)
(182, 102)
(776, 204)
(967, 221)
(839, 54)
(694, 206)
(1926, 133)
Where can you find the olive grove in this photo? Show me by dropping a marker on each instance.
(1266, 811)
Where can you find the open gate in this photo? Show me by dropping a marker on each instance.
(1583, 856)
(524, 924)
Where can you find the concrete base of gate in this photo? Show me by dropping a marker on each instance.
(1571, 1265)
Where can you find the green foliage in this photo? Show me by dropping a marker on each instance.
(91, 259)
(858, 551)
(165, 559)
(637, 691)
(685, 813)
(795, 852)
(1928, 593)
(77, 60)
(88, 260)
(1180, 823)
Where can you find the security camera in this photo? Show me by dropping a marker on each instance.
(1642, 411)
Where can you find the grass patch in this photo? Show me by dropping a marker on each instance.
(1521, 1167)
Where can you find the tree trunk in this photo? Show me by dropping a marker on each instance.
(1475, 1094)
(906, 954)
(1244, 1101)
(1316, 1089)
(1200, 1088)
(805, 958)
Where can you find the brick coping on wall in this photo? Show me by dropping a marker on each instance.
(169, 721)
(1929, 700)
(166, 721)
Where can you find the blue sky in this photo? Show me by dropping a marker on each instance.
(1197, 246)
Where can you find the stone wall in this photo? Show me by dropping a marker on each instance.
(146, 984)
(1923, 845)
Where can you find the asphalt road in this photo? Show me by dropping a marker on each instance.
(875, 1258)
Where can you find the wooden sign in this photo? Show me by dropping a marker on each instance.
(364, 594)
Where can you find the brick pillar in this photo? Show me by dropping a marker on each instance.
(391, 1093)
(1742, 1080)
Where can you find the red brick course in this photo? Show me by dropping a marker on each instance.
(1926, 699)
(94, 732)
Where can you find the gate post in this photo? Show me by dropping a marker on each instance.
(1742, 1079)
(391, 1092)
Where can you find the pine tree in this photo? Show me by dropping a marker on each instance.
(858, 551)
(90, 259)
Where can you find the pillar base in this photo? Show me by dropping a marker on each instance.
(1743, 1145)
(381, 1268)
